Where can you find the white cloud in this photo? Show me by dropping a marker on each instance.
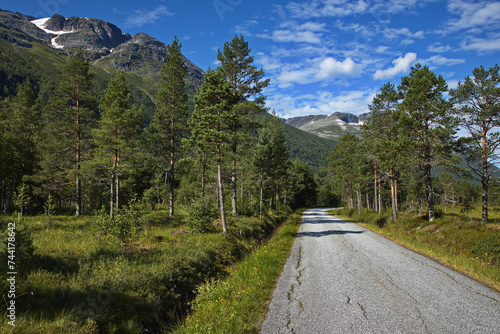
(326, 8)
(143, 17)
(393, 33)
(329, 67)
(322, 70)
(438, 48)
(478, 14)
(483, 45)
(321, 103)
(401, 65)
(309, 32)
(441, 61)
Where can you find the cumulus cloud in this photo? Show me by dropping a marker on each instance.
(329, 67)
(401, 65)
(143, 17)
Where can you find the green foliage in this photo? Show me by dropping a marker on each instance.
(22, 198)
(201, 215)
(235, 304)
(124, 224)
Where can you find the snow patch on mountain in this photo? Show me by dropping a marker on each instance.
(40, 23)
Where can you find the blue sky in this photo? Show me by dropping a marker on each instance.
(322, 56)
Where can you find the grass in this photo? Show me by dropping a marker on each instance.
(455, 240)
(78, 280)
(238, 303)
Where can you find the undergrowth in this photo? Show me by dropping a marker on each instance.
(84, 278)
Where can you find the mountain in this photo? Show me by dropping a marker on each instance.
(38, 48)
(331, 126)
(104, 43)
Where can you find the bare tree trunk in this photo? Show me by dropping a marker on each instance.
(261, 199)
(234, 185)
(375, 188)
(394, 199)
(112, 194)
(428, 189)
(171, 185)
(221, 189)
(358, 195)
(484, 194)
(78, 190)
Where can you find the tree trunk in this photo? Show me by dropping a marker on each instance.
(358, 195)
(394, 198)
(484, 195)
(261, 199)
(221, 189)
(233, 181)
(171, 185)
(78, 190)
(112, 194)
(428, 189)
(376, 203)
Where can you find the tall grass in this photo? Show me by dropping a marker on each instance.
(237, 304)
(84, 281)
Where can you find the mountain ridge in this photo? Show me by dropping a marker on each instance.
(104, 43)
(331, 126)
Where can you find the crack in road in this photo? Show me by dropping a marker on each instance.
(333, 280)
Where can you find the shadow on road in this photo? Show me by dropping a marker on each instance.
(318, 234)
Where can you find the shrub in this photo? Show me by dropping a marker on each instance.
(200, 216)
(125, 223)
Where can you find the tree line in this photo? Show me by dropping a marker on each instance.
(412, 135)
(82, 152)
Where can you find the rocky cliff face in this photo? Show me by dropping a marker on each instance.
(85, 33)
(103, 42)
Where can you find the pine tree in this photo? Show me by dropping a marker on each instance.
(117, 133)
(169, 122)
(387, 143)
(349, 166)
(428, 118)
(271, 160)
(65, 138)
(477, 101)
(211, 125)
(246, 82)
(19, 122)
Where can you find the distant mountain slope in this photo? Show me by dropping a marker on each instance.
(37, 49)
(103, 42)
(332, 126)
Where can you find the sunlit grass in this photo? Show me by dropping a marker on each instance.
(238, 304)
(81, 281)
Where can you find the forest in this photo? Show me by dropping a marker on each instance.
(127, 201)
(81, 151)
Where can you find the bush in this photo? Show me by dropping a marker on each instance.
(200, 216)
(125, 223)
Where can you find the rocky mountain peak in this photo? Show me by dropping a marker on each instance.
(82, 32)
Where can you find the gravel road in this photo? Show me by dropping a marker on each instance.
(342, 278)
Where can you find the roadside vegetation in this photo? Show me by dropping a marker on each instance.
(238, 303)
(76, 275)
(454, 239)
